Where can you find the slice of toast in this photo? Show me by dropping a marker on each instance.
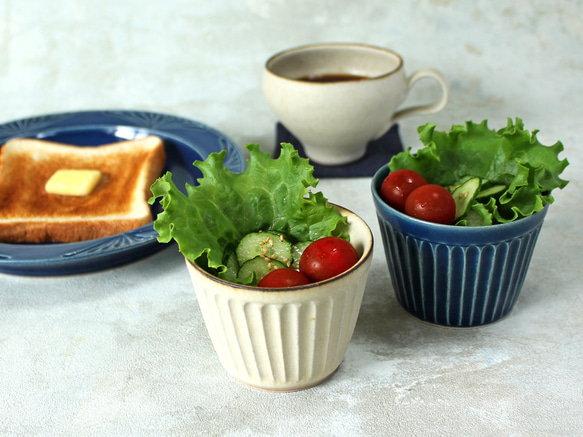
(28, 213)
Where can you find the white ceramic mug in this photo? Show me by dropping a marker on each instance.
(335, 98)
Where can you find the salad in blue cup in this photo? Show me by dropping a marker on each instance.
(468, 268)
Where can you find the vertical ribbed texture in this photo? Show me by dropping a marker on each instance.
(281, 346)
(281, 340)
(288, 339)
(454, 285)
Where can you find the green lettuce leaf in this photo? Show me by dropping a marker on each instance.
(511, 156)
(271, 194)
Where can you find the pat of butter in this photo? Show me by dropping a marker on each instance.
(70, 182)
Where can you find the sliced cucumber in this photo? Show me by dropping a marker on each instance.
(491, 191)
(232, 264)
(297, 250)
(268, 244)
(472, 218)
(463, 194)
(477, 215)
(260, 267)
(459, 183)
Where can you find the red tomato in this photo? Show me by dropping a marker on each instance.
(431, 203)
(327, 257)
(283, 278)
(398, 185)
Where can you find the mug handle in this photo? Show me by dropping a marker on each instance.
(430, 108)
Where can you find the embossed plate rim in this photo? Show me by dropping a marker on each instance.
(190, 136)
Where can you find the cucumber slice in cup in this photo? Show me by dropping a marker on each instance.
(463, 194)
(269, 244)
(260, 266)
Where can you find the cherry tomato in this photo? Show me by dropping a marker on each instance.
(327, 257)
(398, 185)
(431, 203)
(283, 278)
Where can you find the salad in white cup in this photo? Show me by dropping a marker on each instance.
(242, 227)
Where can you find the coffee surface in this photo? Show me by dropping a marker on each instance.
(324, 78)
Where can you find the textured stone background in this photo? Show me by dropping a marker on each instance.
(125, 352)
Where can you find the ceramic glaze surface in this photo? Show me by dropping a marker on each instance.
(455, 276)
(335, 120)
(125, 351)
(185, 141)
(288, 339)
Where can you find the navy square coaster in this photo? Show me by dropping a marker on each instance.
(378, 153)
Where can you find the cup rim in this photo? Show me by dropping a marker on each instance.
(333, 45)
(450, 234)
(281, 291)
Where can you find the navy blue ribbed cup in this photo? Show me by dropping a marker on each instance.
(455, 276)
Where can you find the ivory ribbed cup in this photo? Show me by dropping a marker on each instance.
(285, 339)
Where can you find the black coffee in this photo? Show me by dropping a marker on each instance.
(324, 78)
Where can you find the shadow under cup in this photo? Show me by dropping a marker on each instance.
(455, 276)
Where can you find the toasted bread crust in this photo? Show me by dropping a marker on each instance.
(118, 204)
(66, 232)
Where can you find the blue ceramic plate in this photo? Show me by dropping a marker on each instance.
(185, 141)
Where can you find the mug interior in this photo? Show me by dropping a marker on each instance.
(334, 59)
